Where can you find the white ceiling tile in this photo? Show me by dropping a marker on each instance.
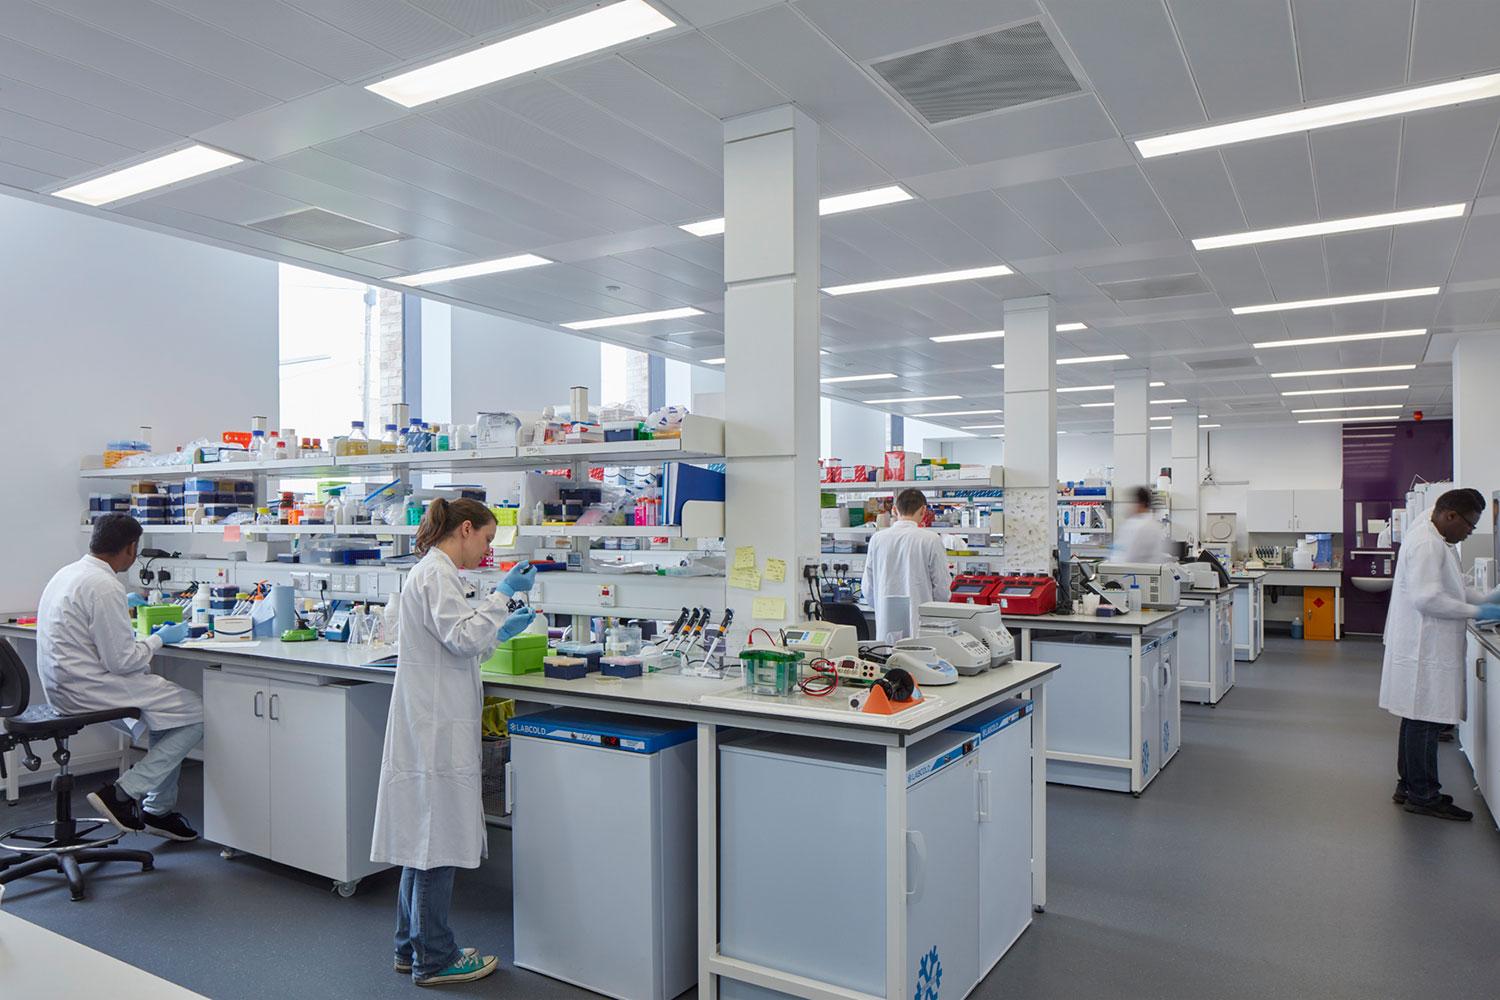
(49, 106)
(798, 60)
(653, 108)
(1351, 47)
(1196, 190)
(226, 198)
(1462, 308)
(388, 24)
(706, 280)
(871, 29)
(1131, 56)
(1235, 274)
(1056, 124)
(703, 73)
(704, 12)
(841, 168)
(45, 135)
(1052, 209)
(1355, 168)
(1155, 267)
(921, 224)
(307, 121)
(1241, 55)
(45, 161)
(412, 255)
(1454, 38)
(1423, 254)
(1443, 154)
(1273, 178)
(1479, 254)
(990, 221)
(191, 41)
(1295, 268)
(312, 42)
(1358, 262)
(24, 178)
(1126, 205)
(478, 17)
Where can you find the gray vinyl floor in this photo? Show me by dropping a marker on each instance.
(1266, 861)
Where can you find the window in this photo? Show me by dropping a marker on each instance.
(342, 354)
(624, 378)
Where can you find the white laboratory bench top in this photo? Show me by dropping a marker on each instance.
(667, 696)
(1248, 575)
(1129, 622)
(1282, 570)
(1217, 592)
(36, 962)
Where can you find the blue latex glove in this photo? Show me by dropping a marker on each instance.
(134, 600)
(520, 578)
(516, 623)
(1488, 613)
(172, 633)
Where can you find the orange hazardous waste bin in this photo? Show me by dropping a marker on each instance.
(1319, 613)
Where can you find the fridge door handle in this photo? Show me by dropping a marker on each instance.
(274, 716)
(510, 787)
(984, 796)
(1479, 669)
(259, 697)
(916, 878)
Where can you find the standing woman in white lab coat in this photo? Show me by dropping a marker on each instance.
(1422, 679)
(428, 816)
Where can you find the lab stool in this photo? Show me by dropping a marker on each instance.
(66, 842)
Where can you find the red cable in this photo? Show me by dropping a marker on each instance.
(763, 632)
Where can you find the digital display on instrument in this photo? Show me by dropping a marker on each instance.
(969, 589)
(1015, 591)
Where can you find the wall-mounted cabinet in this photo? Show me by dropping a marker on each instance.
(1295, 510)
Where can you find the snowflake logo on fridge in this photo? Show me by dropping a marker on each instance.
(1145, 757)
(929, 976)
(1166, 738)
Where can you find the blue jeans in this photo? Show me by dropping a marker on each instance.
(1417, 764)
(153, 779)
(423, 937)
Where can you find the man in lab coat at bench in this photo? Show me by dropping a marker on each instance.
(907, 561)
(1422, 680)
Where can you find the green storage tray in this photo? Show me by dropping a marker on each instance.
(521, 655)
(152, 615)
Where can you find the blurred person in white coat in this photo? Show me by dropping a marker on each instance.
(429, 817)
(90, 659)
(1139, 537)
(1422, 679)
(907, 561)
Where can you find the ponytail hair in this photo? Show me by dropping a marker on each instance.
(443, 518)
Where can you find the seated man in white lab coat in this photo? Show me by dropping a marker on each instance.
(1422, 679)
(905, 560)
(89, 659)
(1139, 537)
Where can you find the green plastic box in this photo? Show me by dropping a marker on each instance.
(521, 655)
(152, 615)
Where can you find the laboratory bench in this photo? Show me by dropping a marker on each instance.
(1249, 613)
(1115, 713)
(1206, 642)
(1296, 579)
(1479, 733)
(322, 681)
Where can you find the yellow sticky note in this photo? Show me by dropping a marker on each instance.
(744, 557)
(745, 579)
(769, 609)
(776, 570)
(505, 536)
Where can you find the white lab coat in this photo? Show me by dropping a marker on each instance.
(88, 656)
(1140, 539)
(1423, 674)
(428, 812)
(905, 560)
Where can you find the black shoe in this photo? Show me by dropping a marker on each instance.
(173, 826)
(1399, 797)
(117, 807)
(1441, 810)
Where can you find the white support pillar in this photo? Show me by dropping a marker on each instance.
(1030, 434)
(1476, 414)
(1132, 431)
(1185, 474)
(771, 373)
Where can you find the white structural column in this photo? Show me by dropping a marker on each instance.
(1185, 474)
(771, 346)
(1132, 431)
(1476, 415)
(1030, 434)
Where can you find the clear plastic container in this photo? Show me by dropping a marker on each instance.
(259, 451)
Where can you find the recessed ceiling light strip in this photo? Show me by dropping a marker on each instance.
(1353, 224)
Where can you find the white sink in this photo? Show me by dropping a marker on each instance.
(1372, 584)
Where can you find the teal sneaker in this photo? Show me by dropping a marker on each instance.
(469, 967)
(403, 965)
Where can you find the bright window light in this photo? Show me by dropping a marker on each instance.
(648, 317)
(857, 378)
(1398, 102)
(500, 264)
(981, 427)
(524, 53)
(954, 338)
(959, 413)
(1337, 300)
(914, 399)
(1344, 371)
(1358, 388)
(1340, 338)
(1337, 409)
(1350, 225)
(1341, 420)
(912, 281)
(832, 205)
(714, 361)
(1166, 402)
(195, 161)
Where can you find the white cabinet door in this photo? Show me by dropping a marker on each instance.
(942, 899)
(1270, 510)
(1320, 510)
(1004, 841)
(309, 798)
(236, 761)
(1489, 737)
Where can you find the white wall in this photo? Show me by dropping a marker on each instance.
(109, 327)
(855, 434)
(1266, 458)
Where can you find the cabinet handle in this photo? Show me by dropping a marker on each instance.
(274, 716)
(984, 796)
(510, 787)
(258, 713)
(915, 884)
(1479, 669)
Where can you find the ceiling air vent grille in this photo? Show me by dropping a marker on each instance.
(1164, 287)
(328, 230)
(1002, 69)
(1218, 366)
